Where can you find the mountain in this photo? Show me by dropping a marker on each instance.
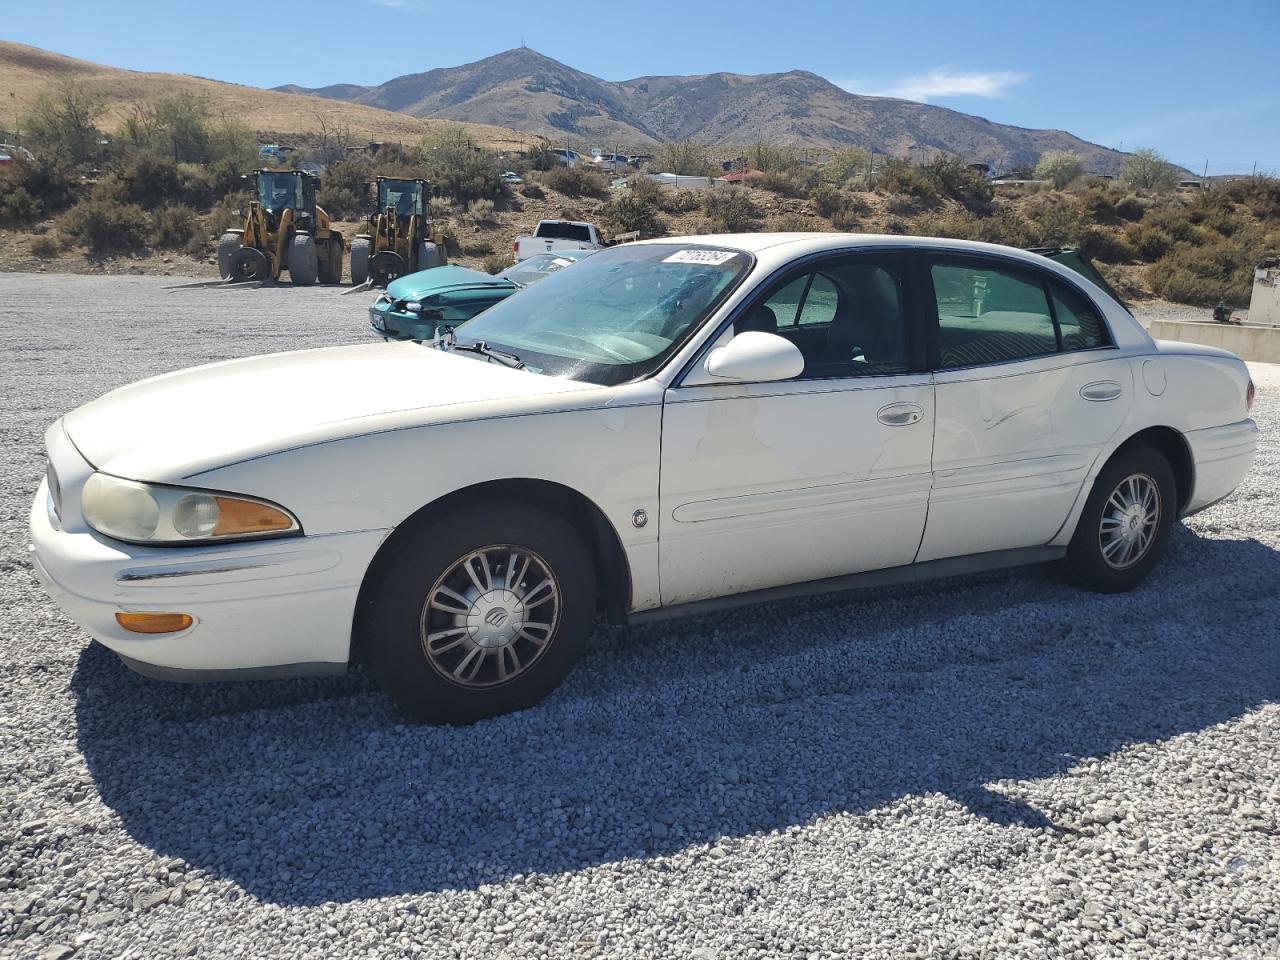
(531, 92)
(27, 71)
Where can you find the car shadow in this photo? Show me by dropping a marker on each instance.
(686, 733)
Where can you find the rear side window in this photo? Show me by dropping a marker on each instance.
(989, 314)
(1078, 319)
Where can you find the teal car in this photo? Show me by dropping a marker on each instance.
(422, 305)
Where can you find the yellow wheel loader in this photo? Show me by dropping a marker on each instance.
(283, 230)
(399, 237)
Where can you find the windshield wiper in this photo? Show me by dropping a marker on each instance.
(496, 356)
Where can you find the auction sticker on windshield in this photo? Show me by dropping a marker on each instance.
(711, 257)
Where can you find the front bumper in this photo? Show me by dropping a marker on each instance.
(262, 608)
(393, 325)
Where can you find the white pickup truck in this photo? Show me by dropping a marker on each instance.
(552, 235)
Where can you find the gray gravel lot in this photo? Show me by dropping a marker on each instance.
(993, 766)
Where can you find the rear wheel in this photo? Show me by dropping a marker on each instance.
(303, 262)
(478, 614)
(1124, 526)
(331, 261)
(227, 247)
(360, 248)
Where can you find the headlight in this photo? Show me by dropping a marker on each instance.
(413, 306)
(153, 514)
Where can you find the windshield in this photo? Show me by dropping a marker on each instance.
(536, 268)
(616, 316)
(554, 230)
(404, 195)
(277, 191)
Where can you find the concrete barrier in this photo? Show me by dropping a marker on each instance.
(1247, 341)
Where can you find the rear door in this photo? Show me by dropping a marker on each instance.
(1029, 390)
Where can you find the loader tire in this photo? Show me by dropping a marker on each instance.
(227, 247)
(331, 262)
(360, 247)
(303, 262)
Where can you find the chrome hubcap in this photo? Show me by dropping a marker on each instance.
(1130, 520)
(490, 616)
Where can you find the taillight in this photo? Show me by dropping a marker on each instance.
(1249, 391)
(515, 248)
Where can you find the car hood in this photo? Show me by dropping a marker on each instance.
(174, 426)
(424, 283)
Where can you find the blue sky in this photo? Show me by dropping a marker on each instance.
(1196, 81)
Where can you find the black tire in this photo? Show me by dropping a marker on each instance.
(429, 255)
(1087, 562)
(249, 264)
(303, 262)
(392, 630)
(360, 248)
(227, 247)
(330, 267)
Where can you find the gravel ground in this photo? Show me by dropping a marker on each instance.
(1148, 310)
(996, 766)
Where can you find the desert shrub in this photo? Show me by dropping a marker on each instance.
(1098, 206)
(146, 180)
(680, 201)
(771, 158)
(1058, 224)
(898, 177)
(1122, 280)
(683, 157)
(848, 165)
(495, 263)
(951, 178)
(904, 205)
(630, 212)
(846, 220)
(174, 226)
(1148, 242)
(1130, 208)
(533, 192)
(61, 122)
(576, 181)
(731, 209)
(1105, 246)
(46, 246)
(895, 225)
(344, 190)
(453, 162)
(1003, 227)
(478, 248)
(1259, 194)
(794, 223)
(1059, 167)
(785, 183)
(32, 191)
(17, 206)
(827, 200)
(480, 211)
(1149, 170)
(105, 226)
(1218, 271)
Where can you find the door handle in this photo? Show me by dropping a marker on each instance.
(900, 414)
(1100, 390)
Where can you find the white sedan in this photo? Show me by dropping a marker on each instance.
(670, 427)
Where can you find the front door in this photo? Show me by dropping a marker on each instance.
(765, 484)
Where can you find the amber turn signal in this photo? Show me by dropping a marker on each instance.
(154, 622)
(238, 517)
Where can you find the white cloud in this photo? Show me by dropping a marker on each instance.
(945, 82)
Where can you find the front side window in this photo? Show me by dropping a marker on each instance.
(846, 316)
(616, 316)
(988, 313)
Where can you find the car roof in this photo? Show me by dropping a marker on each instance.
(448, 277)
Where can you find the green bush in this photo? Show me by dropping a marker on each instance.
(683, 157)
(1059, 167)
(1218, 271)
(1130, 208)
(1149, 170)
(952, 178)
(61, 122)
(851, 164)
(791, 182)
(898, 177)
(794, 223)
(1148, 242)
(731, 209)
(576, 181)
(174, 227)
(1058, 224)
(463, 171)
(771, 158)
(904, 205)
(630, 212)
(105, 226)
(478, 248)
(1105, 246)
(495, 263)
(29, 192)
(17, 206)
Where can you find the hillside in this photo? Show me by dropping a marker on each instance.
(528, 91)
(26, 71)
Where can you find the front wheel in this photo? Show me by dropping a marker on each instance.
(227, 247)
(1124, 526)
(303, 260)
(360, 248)
(480, 613)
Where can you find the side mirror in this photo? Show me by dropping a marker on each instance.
(755, 357)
